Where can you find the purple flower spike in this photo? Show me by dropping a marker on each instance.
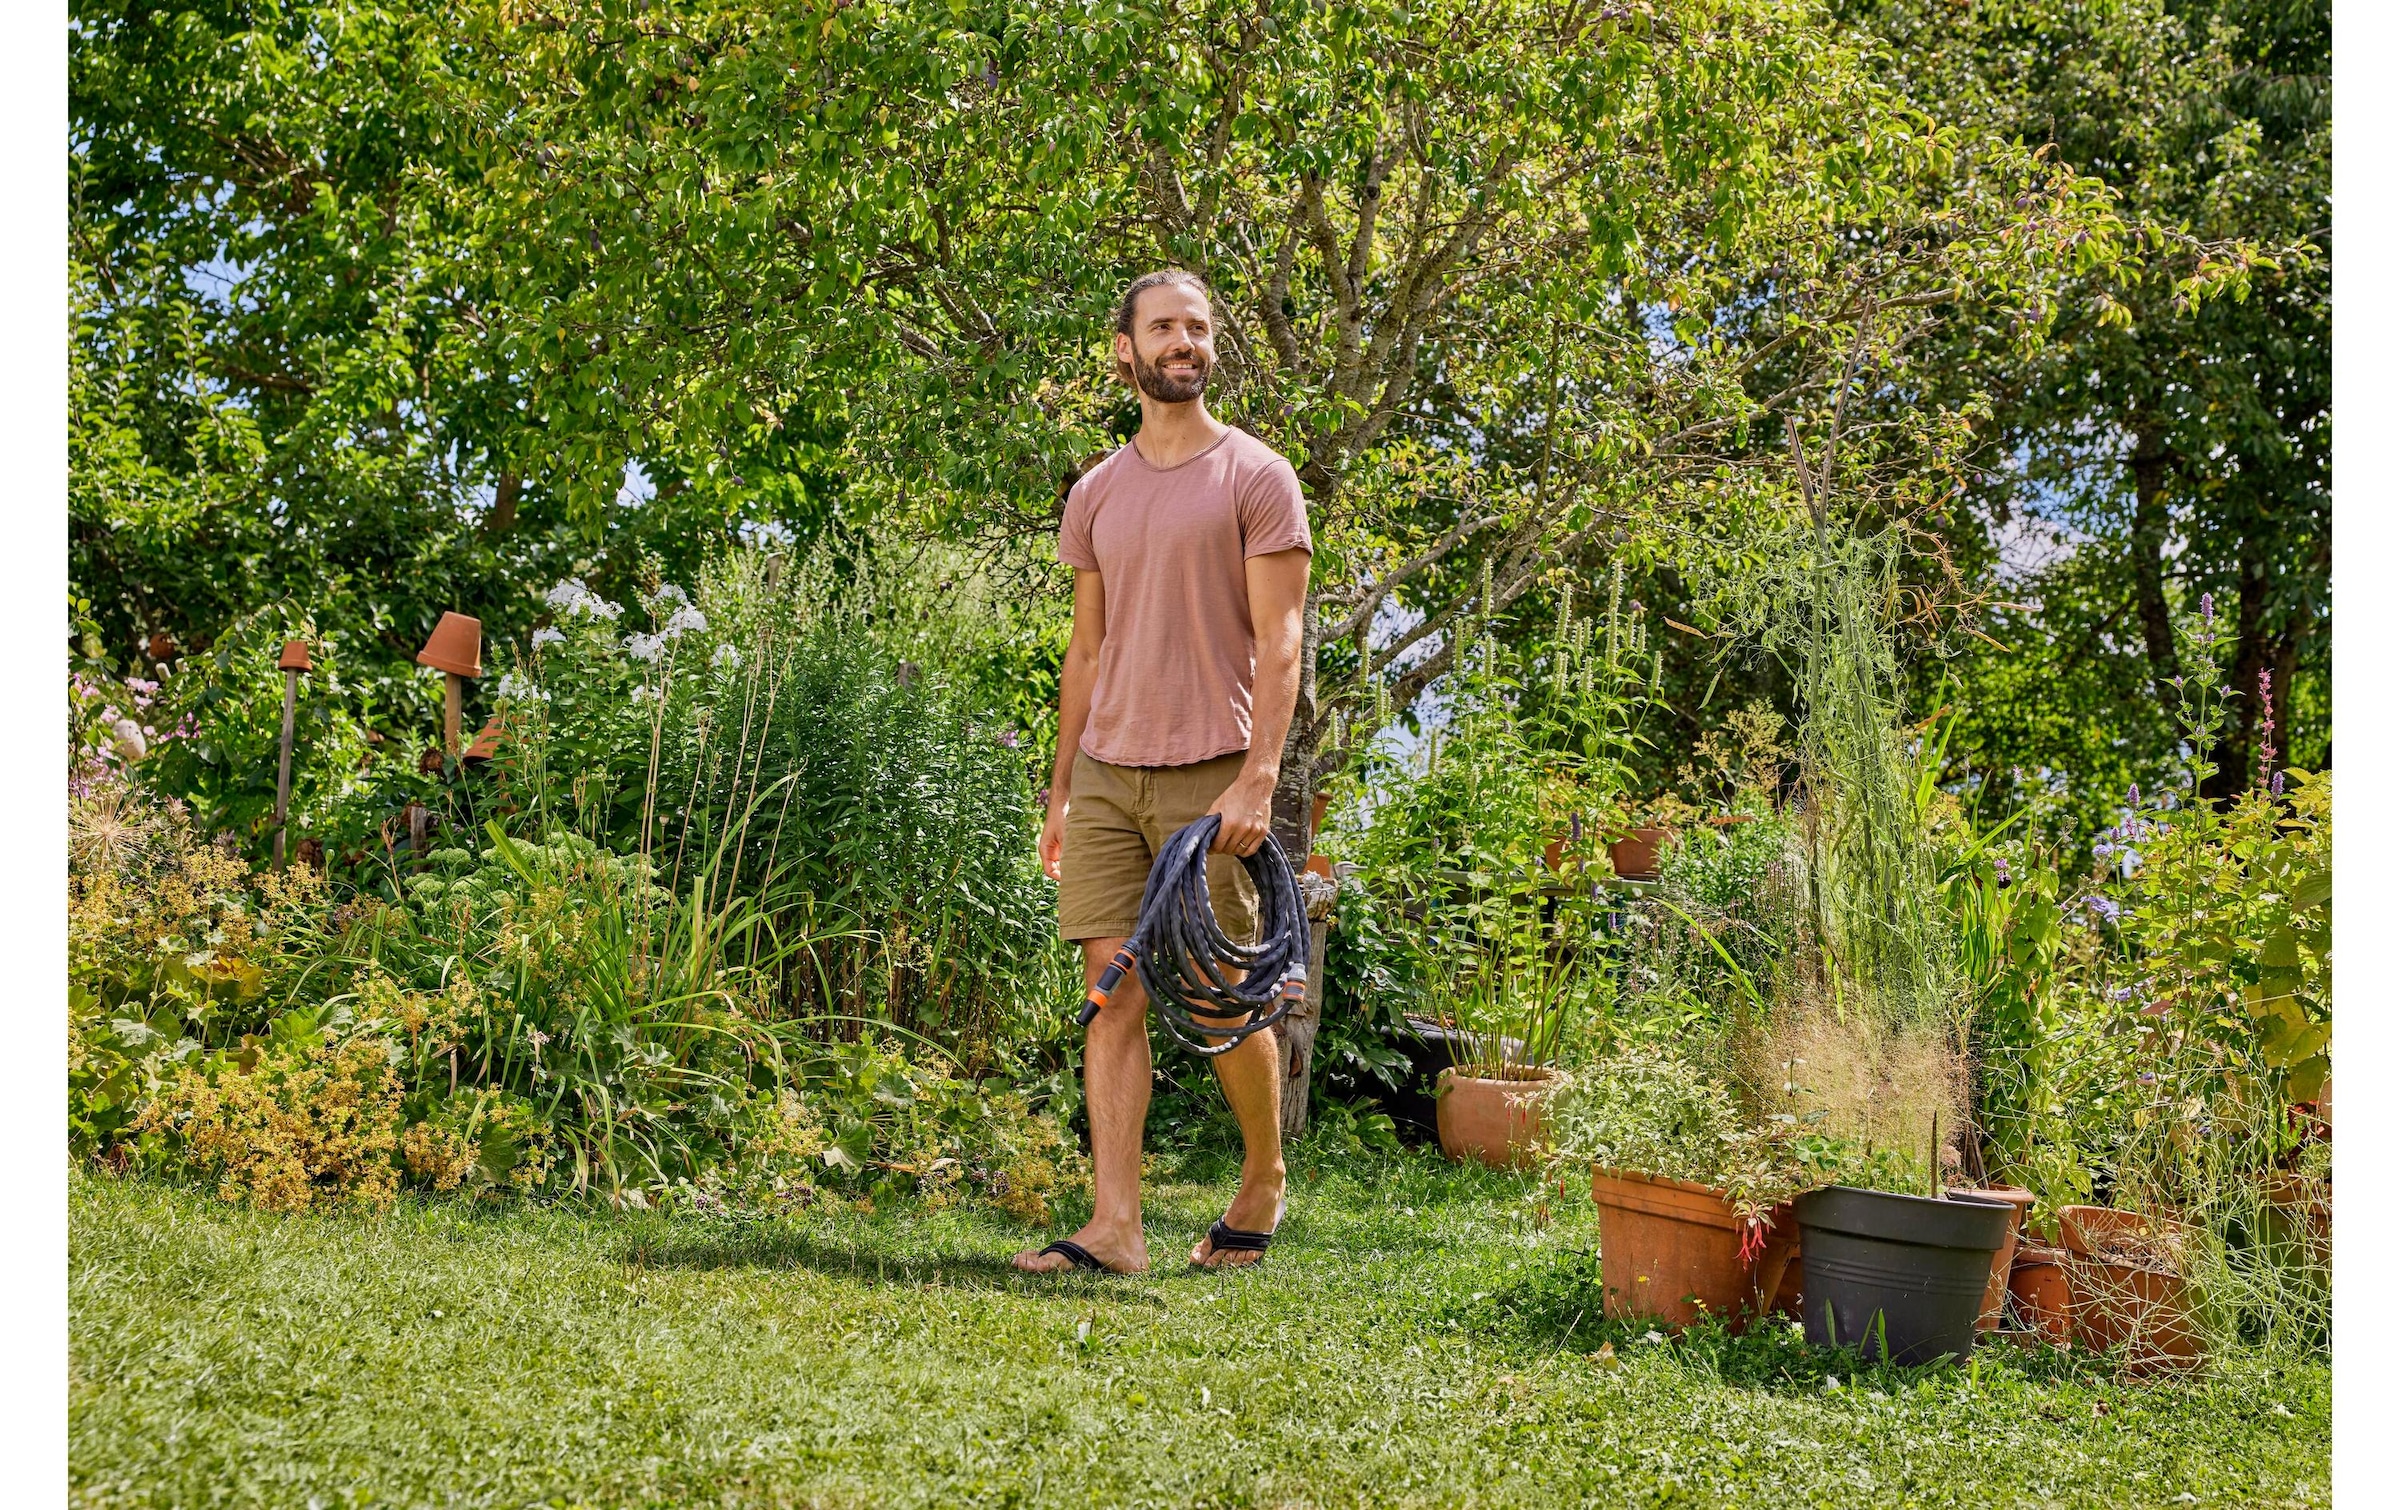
(2276, 785)
(2208, 608)
(2102, 908)
(2000, 869)
(2133, 795)
(2103, 850)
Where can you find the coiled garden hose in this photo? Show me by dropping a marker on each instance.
(1184, 957)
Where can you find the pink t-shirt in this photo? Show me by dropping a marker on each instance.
(1169, 542)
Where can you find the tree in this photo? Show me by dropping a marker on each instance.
(282, 386)
(1496, 277)
(1513, 284)
(2184, 448)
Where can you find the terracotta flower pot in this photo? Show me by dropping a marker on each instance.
(1670, 1249)
(2037, 1282)
(487, 743)
(2300, 1219)
(1995, 1294)
(1316, 810)
(456, 646)
(1635, 857)
(294, 657)
(2125, 1287)
(1788, 1297)
(1498, 1121)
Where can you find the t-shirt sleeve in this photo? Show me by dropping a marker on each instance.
(1075, 530)
(1274, 515)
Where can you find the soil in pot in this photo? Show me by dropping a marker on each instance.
(1995, 1293)
(1671, 1250)
(2125, 1287)
(2037, 1294)
(1901, 1277)
(1491, 1115)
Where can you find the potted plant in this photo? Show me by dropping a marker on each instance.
(1503, 1019)
(1995, 1290)
(2127, 1286)
(2037, 1292)
(1890, 1261)
(1692, 1194)
(1900, 1276)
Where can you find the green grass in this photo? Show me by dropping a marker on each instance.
(1415, 1340)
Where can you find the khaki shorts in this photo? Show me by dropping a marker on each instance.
(1118, 817)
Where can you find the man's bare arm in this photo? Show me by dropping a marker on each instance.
(1278, 593)
(1075, 677)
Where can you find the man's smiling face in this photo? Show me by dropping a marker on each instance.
(1173, 346)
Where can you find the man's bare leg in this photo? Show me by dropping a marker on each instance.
(1116, 1091)
(1252, 1074)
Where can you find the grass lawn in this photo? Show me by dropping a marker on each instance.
(1414, 1340)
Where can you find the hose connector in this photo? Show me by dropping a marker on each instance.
(1112, 975)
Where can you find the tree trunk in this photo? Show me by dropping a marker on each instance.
(503, 516)
(2237, 757)
(1295, 789)
(1296, 1035)
(2150, 462)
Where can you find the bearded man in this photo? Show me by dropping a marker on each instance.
(1191, 549)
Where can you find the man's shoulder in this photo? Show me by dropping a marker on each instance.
(1094, 477)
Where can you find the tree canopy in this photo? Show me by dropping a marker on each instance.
(376, 303)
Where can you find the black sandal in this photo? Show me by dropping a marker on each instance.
(1224, 1239)
(1076, 1255)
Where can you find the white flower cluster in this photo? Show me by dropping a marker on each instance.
(571, 596)
(547, 636)
(517, 689)
(727, 657)
(645, 647)
(685, 620)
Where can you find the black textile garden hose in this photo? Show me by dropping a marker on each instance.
(1184, 957)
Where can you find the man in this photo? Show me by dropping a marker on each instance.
(1191, 548)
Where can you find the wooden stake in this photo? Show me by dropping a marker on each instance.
(283, 763)
(453, 694)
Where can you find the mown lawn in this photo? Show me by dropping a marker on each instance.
(1415, 1340)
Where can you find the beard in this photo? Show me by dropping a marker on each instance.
(1174, 389)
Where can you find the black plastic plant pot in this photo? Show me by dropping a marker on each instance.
(1900, 1277)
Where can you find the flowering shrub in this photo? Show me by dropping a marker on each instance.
(1653, 1111)
(305, 1119)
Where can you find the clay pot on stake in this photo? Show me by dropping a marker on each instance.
(292, 663)
(456, 650)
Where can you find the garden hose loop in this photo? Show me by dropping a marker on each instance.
(1184, 956)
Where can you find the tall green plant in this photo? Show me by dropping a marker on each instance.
(766, 737)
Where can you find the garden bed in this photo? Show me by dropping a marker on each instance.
(1415, 1340)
